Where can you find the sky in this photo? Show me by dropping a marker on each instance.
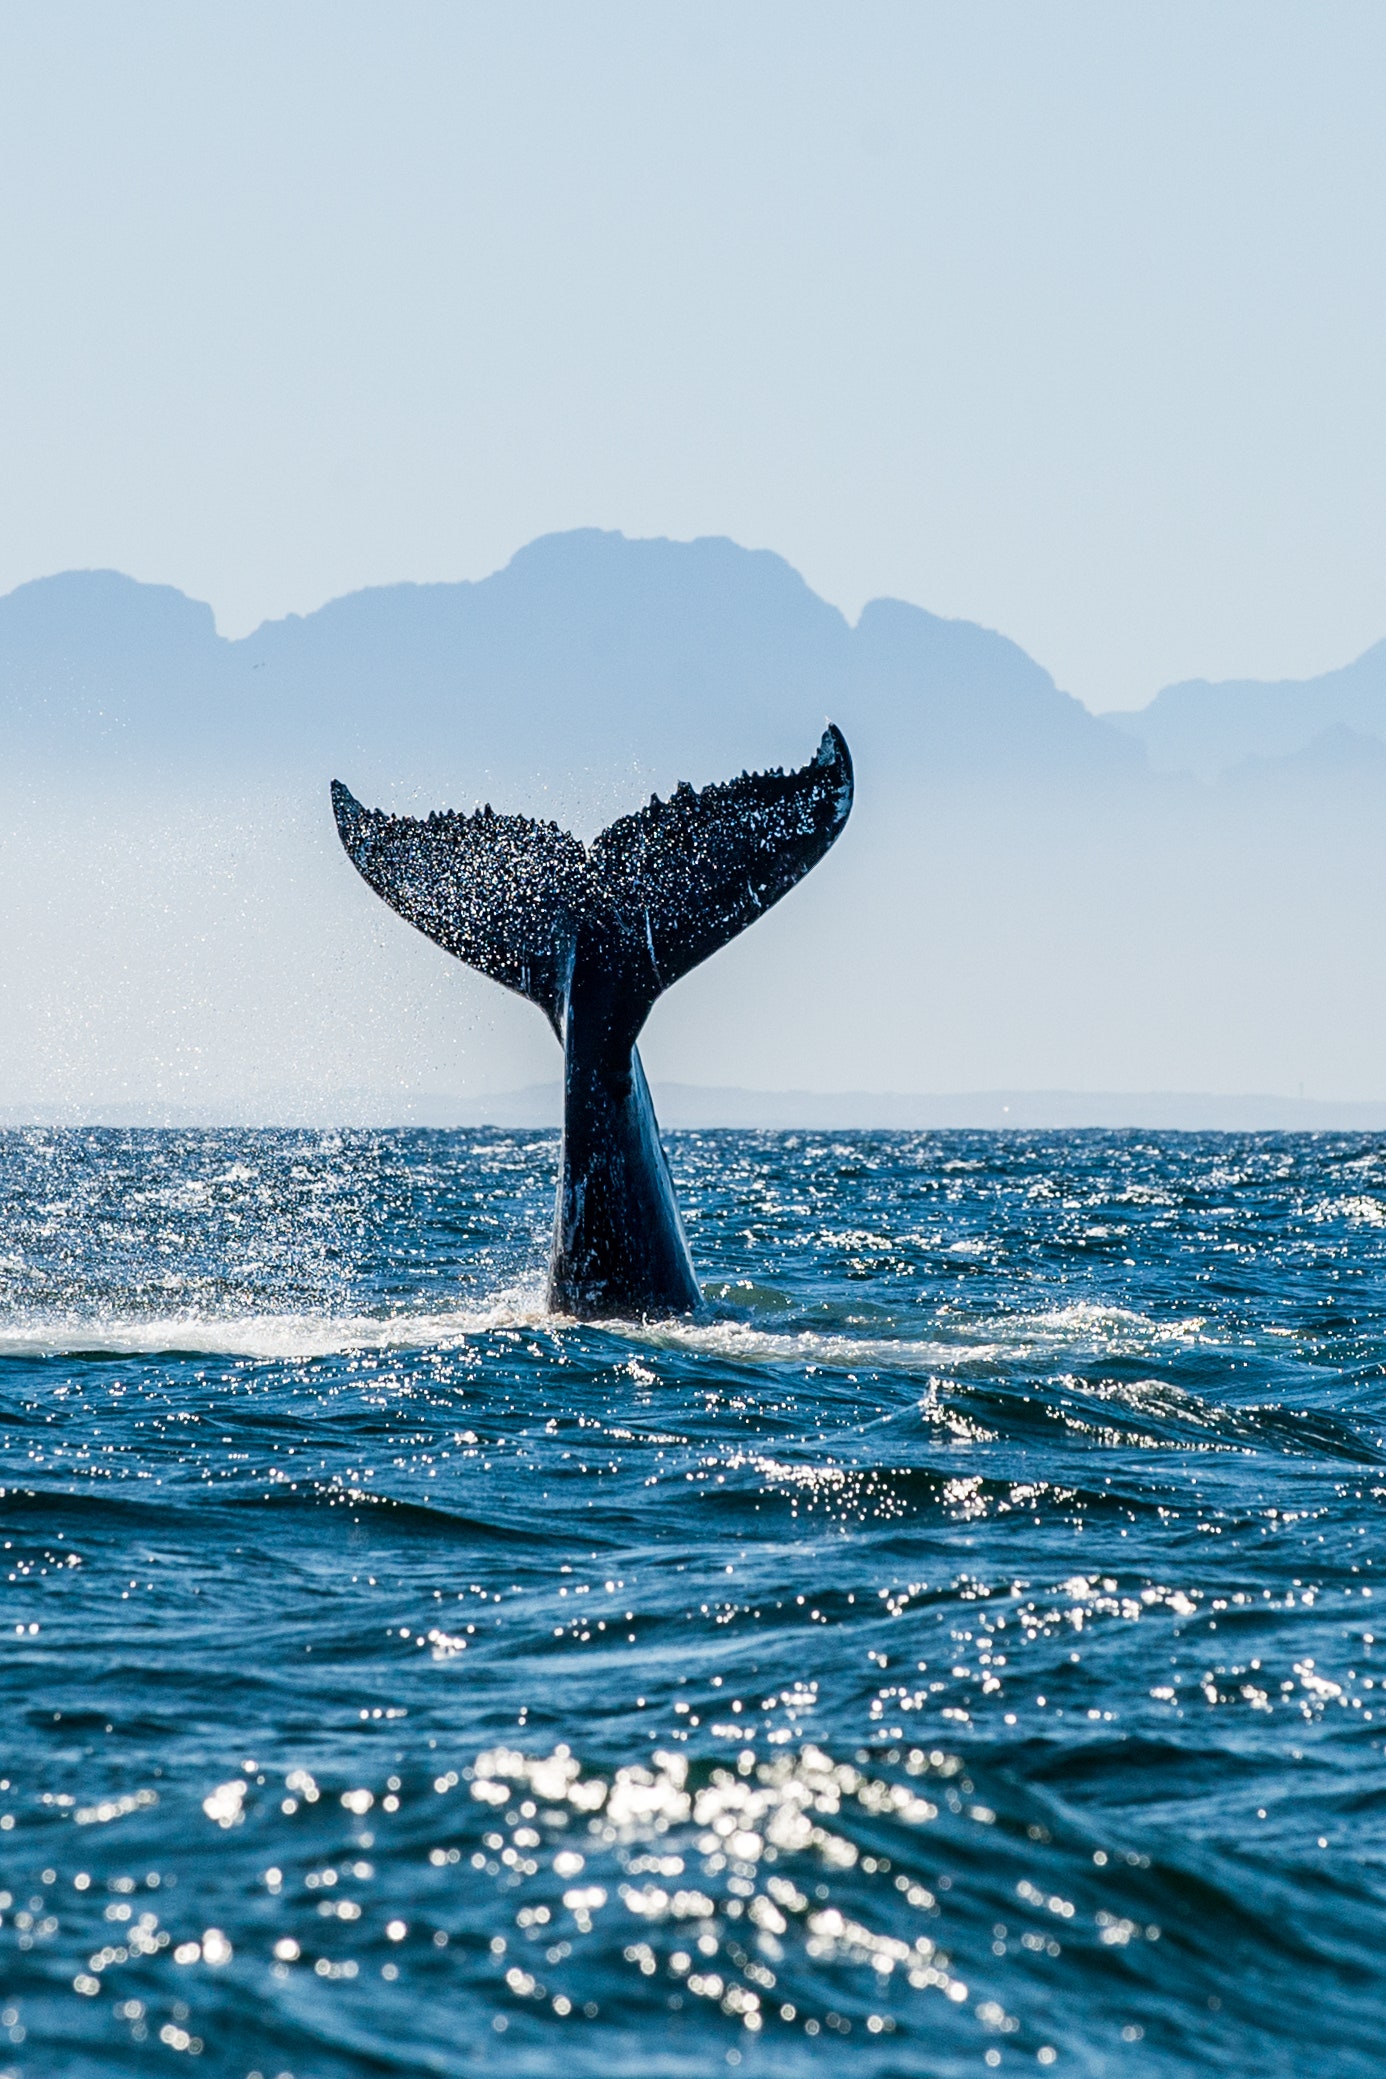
(1069, 319)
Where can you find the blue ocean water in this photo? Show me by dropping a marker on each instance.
(957, 1653)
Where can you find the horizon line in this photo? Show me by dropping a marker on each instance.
(685, 1107)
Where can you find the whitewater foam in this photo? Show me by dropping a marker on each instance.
(268, 1336)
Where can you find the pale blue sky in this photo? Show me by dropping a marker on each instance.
(1067, 318)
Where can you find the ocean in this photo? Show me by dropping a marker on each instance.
(960, 1651)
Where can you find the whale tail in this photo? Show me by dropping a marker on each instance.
(651, 897)
(593, 934)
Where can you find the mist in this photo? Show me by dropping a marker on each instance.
(1021, 901)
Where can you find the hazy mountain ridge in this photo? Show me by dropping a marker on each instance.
(619, 651)
(1019, 901)
(1207, 728)
(587, 651)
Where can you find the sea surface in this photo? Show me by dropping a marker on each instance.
(961, 1651)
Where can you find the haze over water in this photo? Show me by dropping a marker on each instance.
(958, 1653)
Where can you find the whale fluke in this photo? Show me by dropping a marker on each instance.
(593, 935)
(688, 874)
(493, 890)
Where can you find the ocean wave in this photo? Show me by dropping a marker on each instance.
(268, 1336)
(518, 1692)
(995, 1341)
(304, 1335)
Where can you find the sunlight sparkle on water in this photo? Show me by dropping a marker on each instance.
(956, 1652)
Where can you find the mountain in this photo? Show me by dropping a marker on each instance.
(588, 655)
(1206, 728)
(1025, 898)
(1339, 765)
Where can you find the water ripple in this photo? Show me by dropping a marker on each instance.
(956, 1651)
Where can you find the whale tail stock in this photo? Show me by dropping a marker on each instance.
(651, 897)
(594, 935)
